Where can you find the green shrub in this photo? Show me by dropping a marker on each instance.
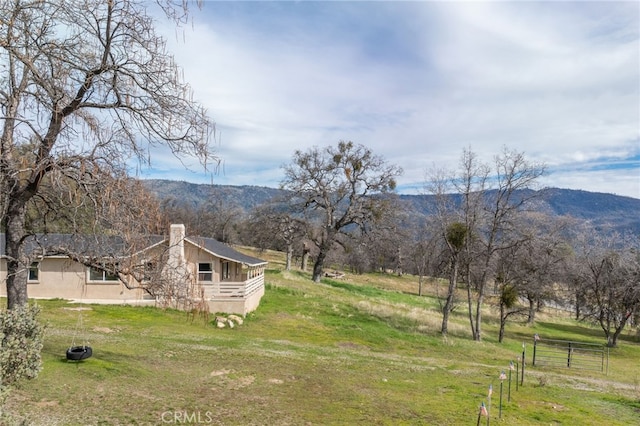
(22, 339)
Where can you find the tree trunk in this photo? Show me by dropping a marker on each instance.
(305, 257)
(399, 263)
(448, 305)
(318, 266)
(477, 335)
(17, 262)
(503, 322)
(289, 257)
(470, 305)
(612, 339)
(532, 311)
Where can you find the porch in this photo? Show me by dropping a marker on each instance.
(234, 297)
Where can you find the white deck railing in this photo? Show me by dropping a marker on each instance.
(233, 289)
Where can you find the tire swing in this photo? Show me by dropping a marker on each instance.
(79, 352)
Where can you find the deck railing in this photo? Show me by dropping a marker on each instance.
(234, 289)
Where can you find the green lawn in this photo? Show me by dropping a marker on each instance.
(362, 350)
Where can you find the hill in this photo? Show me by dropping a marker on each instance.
(604, 211)
(195, 195)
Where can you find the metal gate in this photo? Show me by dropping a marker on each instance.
(570, 354)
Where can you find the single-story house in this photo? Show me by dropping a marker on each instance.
(175, 271)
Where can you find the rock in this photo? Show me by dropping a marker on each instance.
(235, 318)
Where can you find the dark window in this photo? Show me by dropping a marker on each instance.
(34, 271)
(205, 272)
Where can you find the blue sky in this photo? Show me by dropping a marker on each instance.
(417, 82)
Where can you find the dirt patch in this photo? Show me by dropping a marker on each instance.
(550, 405)
(352, 345)
(46, 403)
(105, 330)
(245, 381)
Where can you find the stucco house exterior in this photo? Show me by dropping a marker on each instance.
(177, 271)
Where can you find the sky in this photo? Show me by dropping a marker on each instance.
(417, 83)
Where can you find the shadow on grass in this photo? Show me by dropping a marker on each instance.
(356, 289)
(63, 360)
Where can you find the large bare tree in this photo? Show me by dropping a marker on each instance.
(337, 188)
(508, 193)
(86, 87)
(478, 207)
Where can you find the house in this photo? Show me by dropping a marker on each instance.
(176, 271)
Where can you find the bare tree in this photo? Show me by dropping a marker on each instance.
(608, 268)
(541, 260)
(423, 250)
(485, 201)
(84, 87)
(453, 231)
(529, 267)
(455, 236)
(507, 294)
(337, 188)
(383, 246)
(272, 227)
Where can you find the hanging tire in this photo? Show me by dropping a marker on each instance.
(78, 353)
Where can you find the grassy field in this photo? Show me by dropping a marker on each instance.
(360, 350)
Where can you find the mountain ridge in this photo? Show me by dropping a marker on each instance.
(603, 210)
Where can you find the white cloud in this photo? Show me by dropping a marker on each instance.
(419, 81)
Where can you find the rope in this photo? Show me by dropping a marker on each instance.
(79, 325)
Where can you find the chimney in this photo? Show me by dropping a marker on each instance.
(176, 245)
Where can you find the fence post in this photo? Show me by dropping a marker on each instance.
(511, 368)
(569, 356)
(523, 362)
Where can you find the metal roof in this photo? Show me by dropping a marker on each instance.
(101, 246)
(61, 244)
(224, 251)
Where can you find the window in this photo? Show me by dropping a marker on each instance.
(226, 270)
(97, 274)
(34, 272)
(205, 272)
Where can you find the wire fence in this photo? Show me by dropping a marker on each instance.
(570, 354)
